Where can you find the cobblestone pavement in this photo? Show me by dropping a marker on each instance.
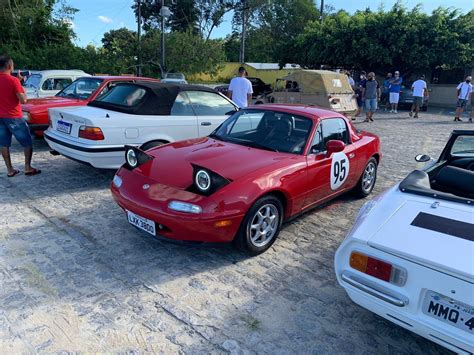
(75, 276)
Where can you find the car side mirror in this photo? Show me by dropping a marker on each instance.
(422, 158)
(334, 146)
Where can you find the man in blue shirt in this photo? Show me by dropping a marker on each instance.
(395, 87)
(386, 90)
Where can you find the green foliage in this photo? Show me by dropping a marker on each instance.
(408, 40)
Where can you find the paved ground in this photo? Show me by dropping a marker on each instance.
(75, 276)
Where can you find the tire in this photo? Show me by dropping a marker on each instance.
(151, 144)
(259, 215)
(365, 187)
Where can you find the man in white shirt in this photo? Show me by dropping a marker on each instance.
(464, 92)
(240, 89)
(420, 90)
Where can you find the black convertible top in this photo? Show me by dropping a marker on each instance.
(158, 100)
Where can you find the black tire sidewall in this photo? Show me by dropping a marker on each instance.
(242, 239)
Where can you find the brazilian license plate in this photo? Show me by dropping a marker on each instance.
(64, 127)
(143, 223)
(449, 311)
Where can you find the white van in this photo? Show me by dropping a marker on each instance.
(49, 82)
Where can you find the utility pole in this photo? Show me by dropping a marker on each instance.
(321, 11)
(244, 29)
(139, 32)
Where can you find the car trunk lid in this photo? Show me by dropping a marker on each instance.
(66, 122)
(437, 235)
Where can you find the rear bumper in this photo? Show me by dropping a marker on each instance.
(103, 157)
(152, 203)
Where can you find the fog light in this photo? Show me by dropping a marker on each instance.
(224, 223)
(184, 207)
(117, 181)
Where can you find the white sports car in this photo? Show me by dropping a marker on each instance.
(410, 255)
(145, 115)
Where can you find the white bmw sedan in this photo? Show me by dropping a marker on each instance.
(410, 255)
(145, 115)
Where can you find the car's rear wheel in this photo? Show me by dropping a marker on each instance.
(151, 144)
(261, 225)
(367, 180)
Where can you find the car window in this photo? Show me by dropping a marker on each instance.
(124, 95)
(249, 121)
(463, 146)
(174, 76)
(33, 81)
(110, 85)
(334, 129)
(209, 103)
(317, 143)
(182, 106)
(56, 83)
(81, 88)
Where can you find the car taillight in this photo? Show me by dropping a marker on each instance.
(377, 268)
(92, 133)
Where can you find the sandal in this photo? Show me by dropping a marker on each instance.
(15, 173)
(33, 172)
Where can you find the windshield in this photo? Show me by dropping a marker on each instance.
(81, 89)
(174, 76)
(264, 129)
(123, 95)
(463, 146)
(33, 81)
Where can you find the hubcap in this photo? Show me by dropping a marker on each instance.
(263, 225)
(368, 179)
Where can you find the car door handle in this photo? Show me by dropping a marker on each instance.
(206, 123)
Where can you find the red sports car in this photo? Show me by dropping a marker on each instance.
(79, 93)
(262, 166)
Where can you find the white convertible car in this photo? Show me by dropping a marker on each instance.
(145, 115)
(410, 255)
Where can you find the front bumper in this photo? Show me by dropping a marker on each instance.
(152, 203)
(103, 157)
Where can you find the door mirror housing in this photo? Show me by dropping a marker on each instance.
(334, 146)
(422, 158)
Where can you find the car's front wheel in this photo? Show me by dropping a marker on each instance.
(367, 180)
(261, 225)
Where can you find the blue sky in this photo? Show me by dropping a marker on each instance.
(95, 17)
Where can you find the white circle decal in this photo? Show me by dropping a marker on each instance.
(339, 170)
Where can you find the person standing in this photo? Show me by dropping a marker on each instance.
(464, 92)
(394, 92)
(420, 90)
(240, 89)
(384, 99)
(11, 121)
(358, 94)
(371, 95)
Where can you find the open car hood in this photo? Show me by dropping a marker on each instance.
(438, 236)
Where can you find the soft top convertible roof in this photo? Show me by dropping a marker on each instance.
(158, 100)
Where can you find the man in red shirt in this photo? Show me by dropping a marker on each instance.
(11, 120)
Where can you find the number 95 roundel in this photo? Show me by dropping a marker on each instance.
(339, 170)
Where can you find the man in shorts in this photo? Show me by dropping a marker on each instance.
(371, 95)
(11, 121)
(394, 91)
(464, 92)
(420, 90)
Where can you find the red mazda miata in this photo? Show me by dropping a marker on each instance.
(265, 164)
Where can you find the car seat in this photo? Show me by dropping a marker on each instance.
(456, 181)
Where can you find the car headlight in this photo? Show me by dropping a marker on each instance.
(131, 158)
(206, 182)
(117, 181)
(184, 207)
(203, 180)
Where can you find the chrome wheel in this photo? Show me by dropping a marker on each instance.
(263, 225)
(368, 179)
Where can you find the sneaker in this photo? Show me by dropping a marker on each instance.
(395, 111)
(410, 113)
(416, 116)
(470, 120)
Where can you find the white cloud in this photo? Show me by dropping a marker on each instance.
(105, 19)
(69, 22)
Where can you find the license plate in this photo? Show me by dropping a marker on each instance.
(141, 222)
(64, 127)
(449, 311)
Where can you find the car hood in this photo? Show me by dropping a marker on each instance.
(434, 235)
(48, 102)
(173, 163)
